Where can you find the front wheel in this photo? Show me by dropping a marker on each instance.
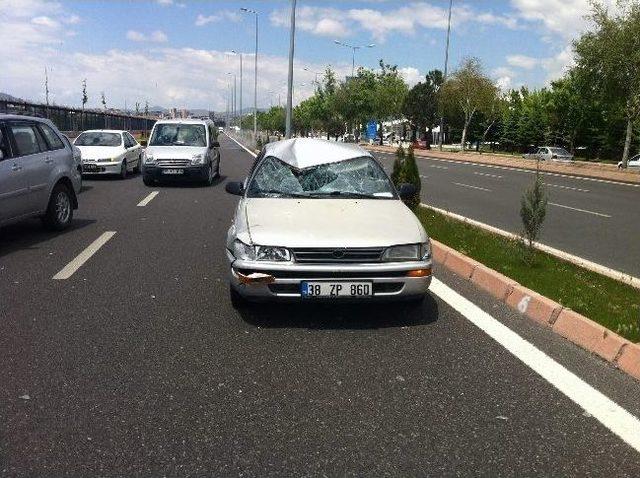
(60, 209)
(237, 301)
(209, 180)
(136, 170)
(148, 181)
(123, 169)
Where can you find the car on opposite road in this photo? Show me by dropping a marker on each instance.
(109, 151)
(634, 162)
(549, 153)
(322, 220)
(182, 149)
(39, 172)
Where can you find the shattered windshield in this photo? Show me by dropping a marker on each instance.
(359, 177)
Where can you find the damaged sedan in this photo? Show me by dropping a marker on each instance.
(319, 220)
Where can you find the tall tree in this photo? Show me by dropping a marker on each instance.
(468, 90)
(610, 56)
(85, 97)
(389, 95)
(420, 106)
(103, 100)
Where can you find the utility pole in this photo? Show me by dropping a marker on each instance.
(46, 85)
(446, 66)
(292, 41)
(255, 76)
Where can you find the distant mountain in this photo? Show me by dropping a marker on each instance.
(158, 108)
(8, 97)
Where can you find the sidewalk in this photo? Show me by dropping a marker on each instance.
(606, 172)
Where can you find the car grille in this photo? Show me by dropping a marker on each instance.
(173, 162)
(338, 255)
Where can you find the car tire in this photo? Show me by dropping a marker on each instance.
(237, 301)
(123, 170)
(136, 170)
(59, 212)
(148, 181)
(209, 180)
(218, 168)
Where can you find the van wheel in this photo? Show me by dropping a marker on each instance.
(60, 209)
(148, 181)
(237, 301)
(209, 180)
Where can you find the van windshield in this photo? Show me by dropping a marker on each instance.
(179, 134)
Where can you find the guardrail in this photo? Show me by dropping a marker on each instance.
(73, 119)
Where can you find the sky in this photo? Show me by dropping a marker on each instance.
(178, 53)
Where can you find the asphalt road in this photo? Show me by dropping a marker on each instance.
(599, 221)
(137, 365)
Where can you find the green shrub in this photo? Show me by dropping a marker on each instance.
(410, 174)
(397, 166)
(533, 210)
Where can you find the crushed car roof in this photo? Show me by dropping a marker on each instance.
(307, 152)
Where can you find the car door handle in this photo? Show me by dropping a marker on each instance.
(48, 160)
(15, 167)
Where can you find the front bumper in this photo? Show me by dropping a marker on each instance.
(390, 281)
(112, 167)
(189, 173)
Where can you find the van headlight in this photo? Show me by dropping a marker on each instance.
(407, 252)
(260, 253)
(197, 159)
(148, 158)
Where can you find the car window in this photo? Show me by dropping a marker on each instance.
(98, 138)
(25, 138)
(53, 140)
(4, 143)
(132, 140)
(127, 140)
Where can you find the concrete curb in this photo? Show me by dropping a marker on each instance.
(574, 327)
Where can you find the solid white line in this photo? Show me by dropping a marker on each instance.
(579, 210)
(565, 256)
(148, 199)
(496, 176)
(241, 145)
(84, 256)
(473, 187)
(618, 420)
(566, 187)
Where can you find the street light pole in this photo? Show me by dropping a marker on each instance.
(255, 76)
(292, 37)
(240, 55)
(353, 52)
(446, 66)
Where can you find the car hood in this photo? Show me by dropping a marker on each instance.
(100, 152)
(174, 152)
(331, 222)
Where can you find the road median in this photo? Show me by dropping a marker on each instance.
(584, 169)
(587, 291)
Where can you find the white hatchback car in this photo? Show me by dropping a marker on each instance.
(109, 151)
(634, 162)
(320, 220)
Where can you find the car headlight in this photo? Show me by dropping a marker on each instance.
(260, 253)
(197, 159)
(407, 252)
(273, 254)
(149, 159)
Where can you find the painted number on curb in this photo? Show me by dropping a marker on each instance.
(523, 305)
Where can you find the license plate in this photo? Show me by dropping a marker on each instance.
(336, 289)
(173, 171)
(89, 167)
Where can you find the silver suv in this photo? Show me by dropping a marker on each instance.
(40, 172)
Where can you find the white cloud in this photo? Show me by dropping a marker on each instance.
(317, 20)
(45, 21)
(72, 20)
(504, 83)
(502, 71)
(202, 20)
(410, 75)
(522, 61)
(156, 36)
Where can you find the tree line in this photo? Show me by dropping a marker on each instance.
(593, 110)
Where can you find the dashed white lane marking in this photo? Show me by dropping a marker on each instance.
(148, 199)
(496, 176)
(84, 256)
(437, 166)
(473, 187)
(579, 210)
(566, 187)
(618, 420)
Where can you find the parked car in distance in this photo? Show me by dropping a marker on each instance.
(39, 172)
(185, 149)
(321, 220)
(549, 153)
(109, 151)
(634, 162)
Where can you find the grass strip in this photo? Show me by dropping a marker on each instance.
(610, 303)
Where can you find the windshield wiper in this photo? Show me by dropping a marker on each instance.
(347, 194)
(284, 193)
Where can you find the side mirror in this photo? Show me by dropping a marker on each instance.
(406, 190)
(235, 187)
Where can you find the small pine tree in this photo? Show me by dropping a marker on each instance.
(533, 210)
(411, 175)
(398, 163)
